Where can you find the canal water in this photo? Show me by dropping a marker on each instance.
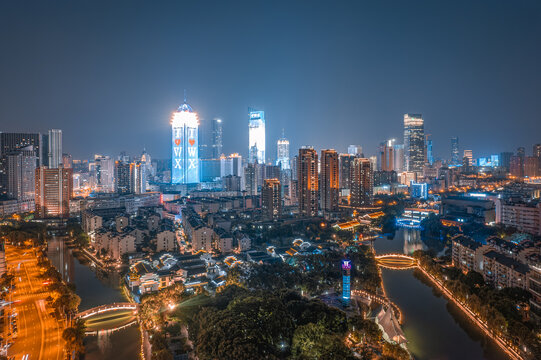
(96, 288)
(434, 328)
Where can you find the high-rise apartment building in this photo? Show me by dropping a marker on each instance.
(55, 148)
(231, 165)
(21, 165)
(256, 135)
(455, 154)
(282, 153)
(346, 168)
(414, 142)
(271, 198)
(104, 172)
(217, 138)
(362, 185)
(399, 158)
(468, 155)
(122, 177)
(185, 146)
(537, 151)
(531, 166)
(53, 191)
(307, 176)
(386, 155)
(329, 177)
(251, 178)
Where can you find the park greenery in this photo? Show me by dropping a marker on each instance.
(499, 309)
(270, 311)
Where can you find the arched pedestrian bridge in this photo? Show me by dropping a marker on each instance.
(109, 318)
(396, 261)
(106, 308)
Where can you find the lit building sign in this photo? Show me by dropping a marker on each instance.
(185, 145)
(346, 264)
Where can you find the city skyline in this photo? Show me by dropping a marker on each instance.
(460, 82)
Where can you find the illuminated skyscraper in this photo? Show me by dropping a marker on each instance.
(329, 180)
(256, 136)
(414, 142)
(55, 148)
(307, 181)
(185, 145)
(282, 152)
(455, 155)
(217, 136)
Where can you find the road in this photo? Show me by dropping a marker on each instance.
(40, 334)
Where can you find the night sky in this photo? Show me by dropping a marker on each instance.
(332, 73)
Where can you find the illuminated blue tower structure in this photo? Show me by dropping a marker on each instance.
(346, 281)
(185, 145)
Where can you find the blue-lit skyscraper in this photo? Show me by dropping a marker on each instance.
(429, 153)
(256, 136)
(346, 281)
(185, 145)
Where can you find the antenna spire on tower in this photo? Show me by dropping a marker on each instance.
(184, 96)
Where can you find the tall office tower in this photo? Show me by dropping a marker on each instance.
(328, 189)
(398, 158)
(521, 151)
(505, 160)
(537, 150)
(362, 185)
(307, 181)
(251, 178)
(414, 142)
(185, 146)
(256, 134)
(231, 165)
(346, 167)
(55, 148)
(21, 165)
(516, 166)
(455, 155)
(271, 198)
(282, 152)
(386, 155)
(137, 178)
(217, 138)
(53, 191)
(104, 170)
(468, 154)
(429, 153)
(122, 177)
(355, 150)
